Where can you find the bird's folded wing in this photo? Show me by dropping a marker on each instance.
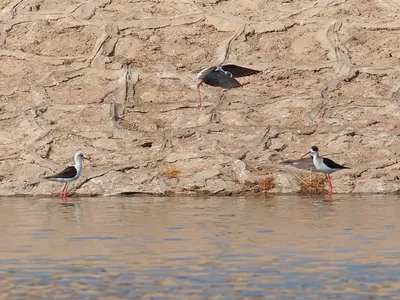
(331, 164)
(68, 172)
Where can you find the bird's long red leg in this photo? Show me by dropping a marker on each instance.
(199, 100)
(330, 184)
(65, 193)
(62, 192)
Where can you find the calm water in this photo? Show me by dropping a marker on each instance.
(201, 248)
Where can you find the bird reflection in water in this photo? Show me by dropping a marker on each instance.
(76, 209)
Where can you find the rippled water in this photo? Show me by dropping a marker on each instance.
(200, 248)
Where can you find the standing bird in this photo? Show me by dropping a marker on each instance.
(69, 174)
(222, 76)
(325, 165)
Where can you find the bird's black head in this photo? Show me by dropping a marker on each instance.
(313, 150)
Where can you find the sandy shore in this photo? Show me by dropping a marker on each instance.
(116, 79)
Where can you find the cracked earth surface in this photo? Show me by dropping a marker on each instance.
(116, 79)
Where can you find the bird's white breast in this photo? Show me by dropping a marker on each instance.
(320, 166)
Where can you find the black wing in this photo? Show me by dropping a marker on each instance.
(238, 71)
(68, 172)
(218, 78)
(331, 164)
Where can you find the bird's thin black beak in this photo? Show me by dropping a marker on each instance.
(306, 154)
(86, 158)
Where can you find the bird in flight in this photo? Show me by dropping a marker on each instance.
(222, 76)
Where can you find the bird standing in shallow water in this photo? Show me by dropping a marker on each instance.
(325, 165)
(69, 174)
(222, 76)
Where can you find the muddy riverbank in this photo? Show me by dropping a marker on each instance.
(116, 79)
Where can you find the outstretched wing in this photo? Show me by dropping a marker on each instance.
(219, 78)
(238, 71)
(68, 172)
(331, 164)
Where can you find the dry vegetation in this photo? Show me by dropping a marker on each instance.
(313, 184)
(267, 183)
(172, 172)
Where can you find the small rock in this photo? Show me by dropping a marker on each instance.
(90, 188)
(286, 116)
(333, 85)
(306, 131)
(199, 179)
(349, 131)
(115, 66)
(277, 145)
(382, 14)
(240, 170)
(369, 122)
(106, 144)
(286, 183)
(174, 157)
(86, 11)
(154, 39)
(376, 185)
(93, 134)
(394, 147)
(234, 118)
(206, 174)
(395, 54)
(157, 186)
(127, 134)
(214, 186)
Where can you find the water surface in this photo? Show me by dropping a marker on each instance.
(201, 248)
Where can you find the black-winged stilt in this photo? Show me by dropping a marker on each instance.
(69, 174)
(222, 76)
(325, 165)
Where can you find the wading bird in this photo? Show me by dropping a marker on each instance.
(69, 174)
(325, 165)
